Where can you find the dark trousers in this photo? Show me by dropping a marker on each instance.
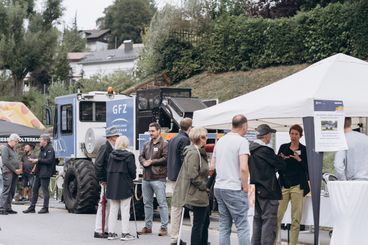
(201, 221)
(44, 184)
(265, 221)
(7, 195)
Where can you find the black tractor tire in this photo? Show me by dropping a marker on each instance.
(81, 189)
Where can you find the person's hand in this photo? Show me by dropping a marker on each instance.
(147, 163)
(103, 183)
(18, 171)
(296, 156)
(33, 160)
(245, 188)
(283, 156)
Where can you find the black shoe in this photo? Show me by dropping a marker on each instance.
(29, 210)
(44, 211)
(3, 212)
(100, 235)
(11, 211)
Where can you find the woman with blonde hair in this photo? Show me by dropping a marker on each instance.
(191, 186)
(121, 171)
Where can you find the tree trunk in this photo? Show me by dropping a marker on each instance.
(18, 87)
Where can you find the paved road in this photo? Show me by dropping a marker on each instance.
(62, 228)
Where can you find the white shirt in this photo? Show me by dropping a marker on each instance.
(352, 164)
(227, 151)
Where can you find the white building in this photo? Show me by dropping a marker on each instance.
(109, 61)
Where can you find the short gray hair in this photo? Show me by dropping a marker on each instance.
(121, 143)
(196, 134)
(14, 137)
(45, 137)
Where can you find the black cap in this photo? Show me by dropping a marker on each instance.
(264, 129)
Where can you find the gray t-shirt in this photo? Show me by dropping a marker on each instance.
(227, 151)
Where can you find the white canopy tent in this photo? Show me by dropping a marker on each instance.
(290, 101)
(286, 102)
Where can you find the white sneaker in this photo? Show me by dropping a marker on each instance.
(127, 237)
(112, 236)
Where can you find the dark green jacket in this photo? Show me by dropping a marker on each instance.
(191, 185)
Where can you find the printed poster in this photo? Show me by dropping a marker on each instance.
(329, 125)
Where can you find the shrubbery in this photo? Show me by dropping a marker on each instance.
(234, 43)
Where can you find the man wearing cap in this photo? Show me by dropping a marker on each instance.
(11, 170)
(45, 166)
(112, 134)
(263, 165)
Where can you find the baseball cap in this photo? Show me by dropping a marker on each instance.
(264, 129)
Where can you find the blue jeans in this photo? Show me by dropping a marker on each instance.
(233, 206)
(158, 188)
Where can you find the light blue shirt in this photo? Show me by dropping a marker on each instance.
(352, 164)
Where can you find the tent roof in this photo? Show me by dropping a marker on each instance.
(286, 102)
(26, 134)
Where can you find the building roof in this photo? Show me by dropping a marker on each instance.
(95, 34)
(111, 56)
(77, 56)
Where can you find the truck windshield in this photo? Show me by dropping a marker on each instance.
(92, 111)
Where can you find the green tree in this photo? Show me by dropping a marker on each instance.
(61, 69)
(127, 19)
(72, 40)
(28, 39)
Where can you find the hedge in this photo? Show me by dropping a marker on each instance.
(236, 43)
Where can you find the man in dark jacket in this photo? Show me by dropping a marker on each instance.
(45, 165)
(102, 158)
(11, 170)
(263, 165)
(153, 158)
(174, 163)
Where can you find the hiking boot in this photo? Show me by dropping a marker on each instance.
(100, 235)
(127, 237)
(144, 231)
(11, 211)
(29, 210)
(112, 236)
(44, 211)
(163, 232)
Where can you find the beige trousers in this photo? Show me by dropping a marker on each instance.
(295, 195)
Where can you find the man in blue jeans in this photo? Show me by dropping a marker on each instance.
(154, 161)
(230, 159)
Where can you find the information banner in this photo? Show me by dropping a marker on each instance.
(329, 125)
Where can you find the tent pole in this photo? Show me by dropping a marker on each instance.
(315, 164)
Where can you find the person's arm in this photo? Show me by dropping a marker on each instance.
(162, 161)
(340, 165)
(181, 145)
(10, 164)
(49, 158)
(142, 155)
(193, 171)
(100, 163)
(132, 168)
(275, 161)
(213, 160)
(244, 171)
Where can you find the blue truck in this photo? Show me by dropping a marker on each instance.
(80, 121)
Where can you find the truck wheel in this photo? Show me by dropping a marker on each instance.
(81, 190)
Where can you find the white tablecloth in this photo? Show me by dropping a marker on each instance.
(325, 218)
(349, 205)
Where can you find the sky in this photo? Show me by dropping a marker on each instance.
(88, 11)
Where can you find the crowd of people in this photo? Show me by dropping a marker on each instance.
(184, 164)
(35, 172)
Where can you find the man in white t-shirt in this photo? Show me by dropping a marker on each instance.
(230, 159)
